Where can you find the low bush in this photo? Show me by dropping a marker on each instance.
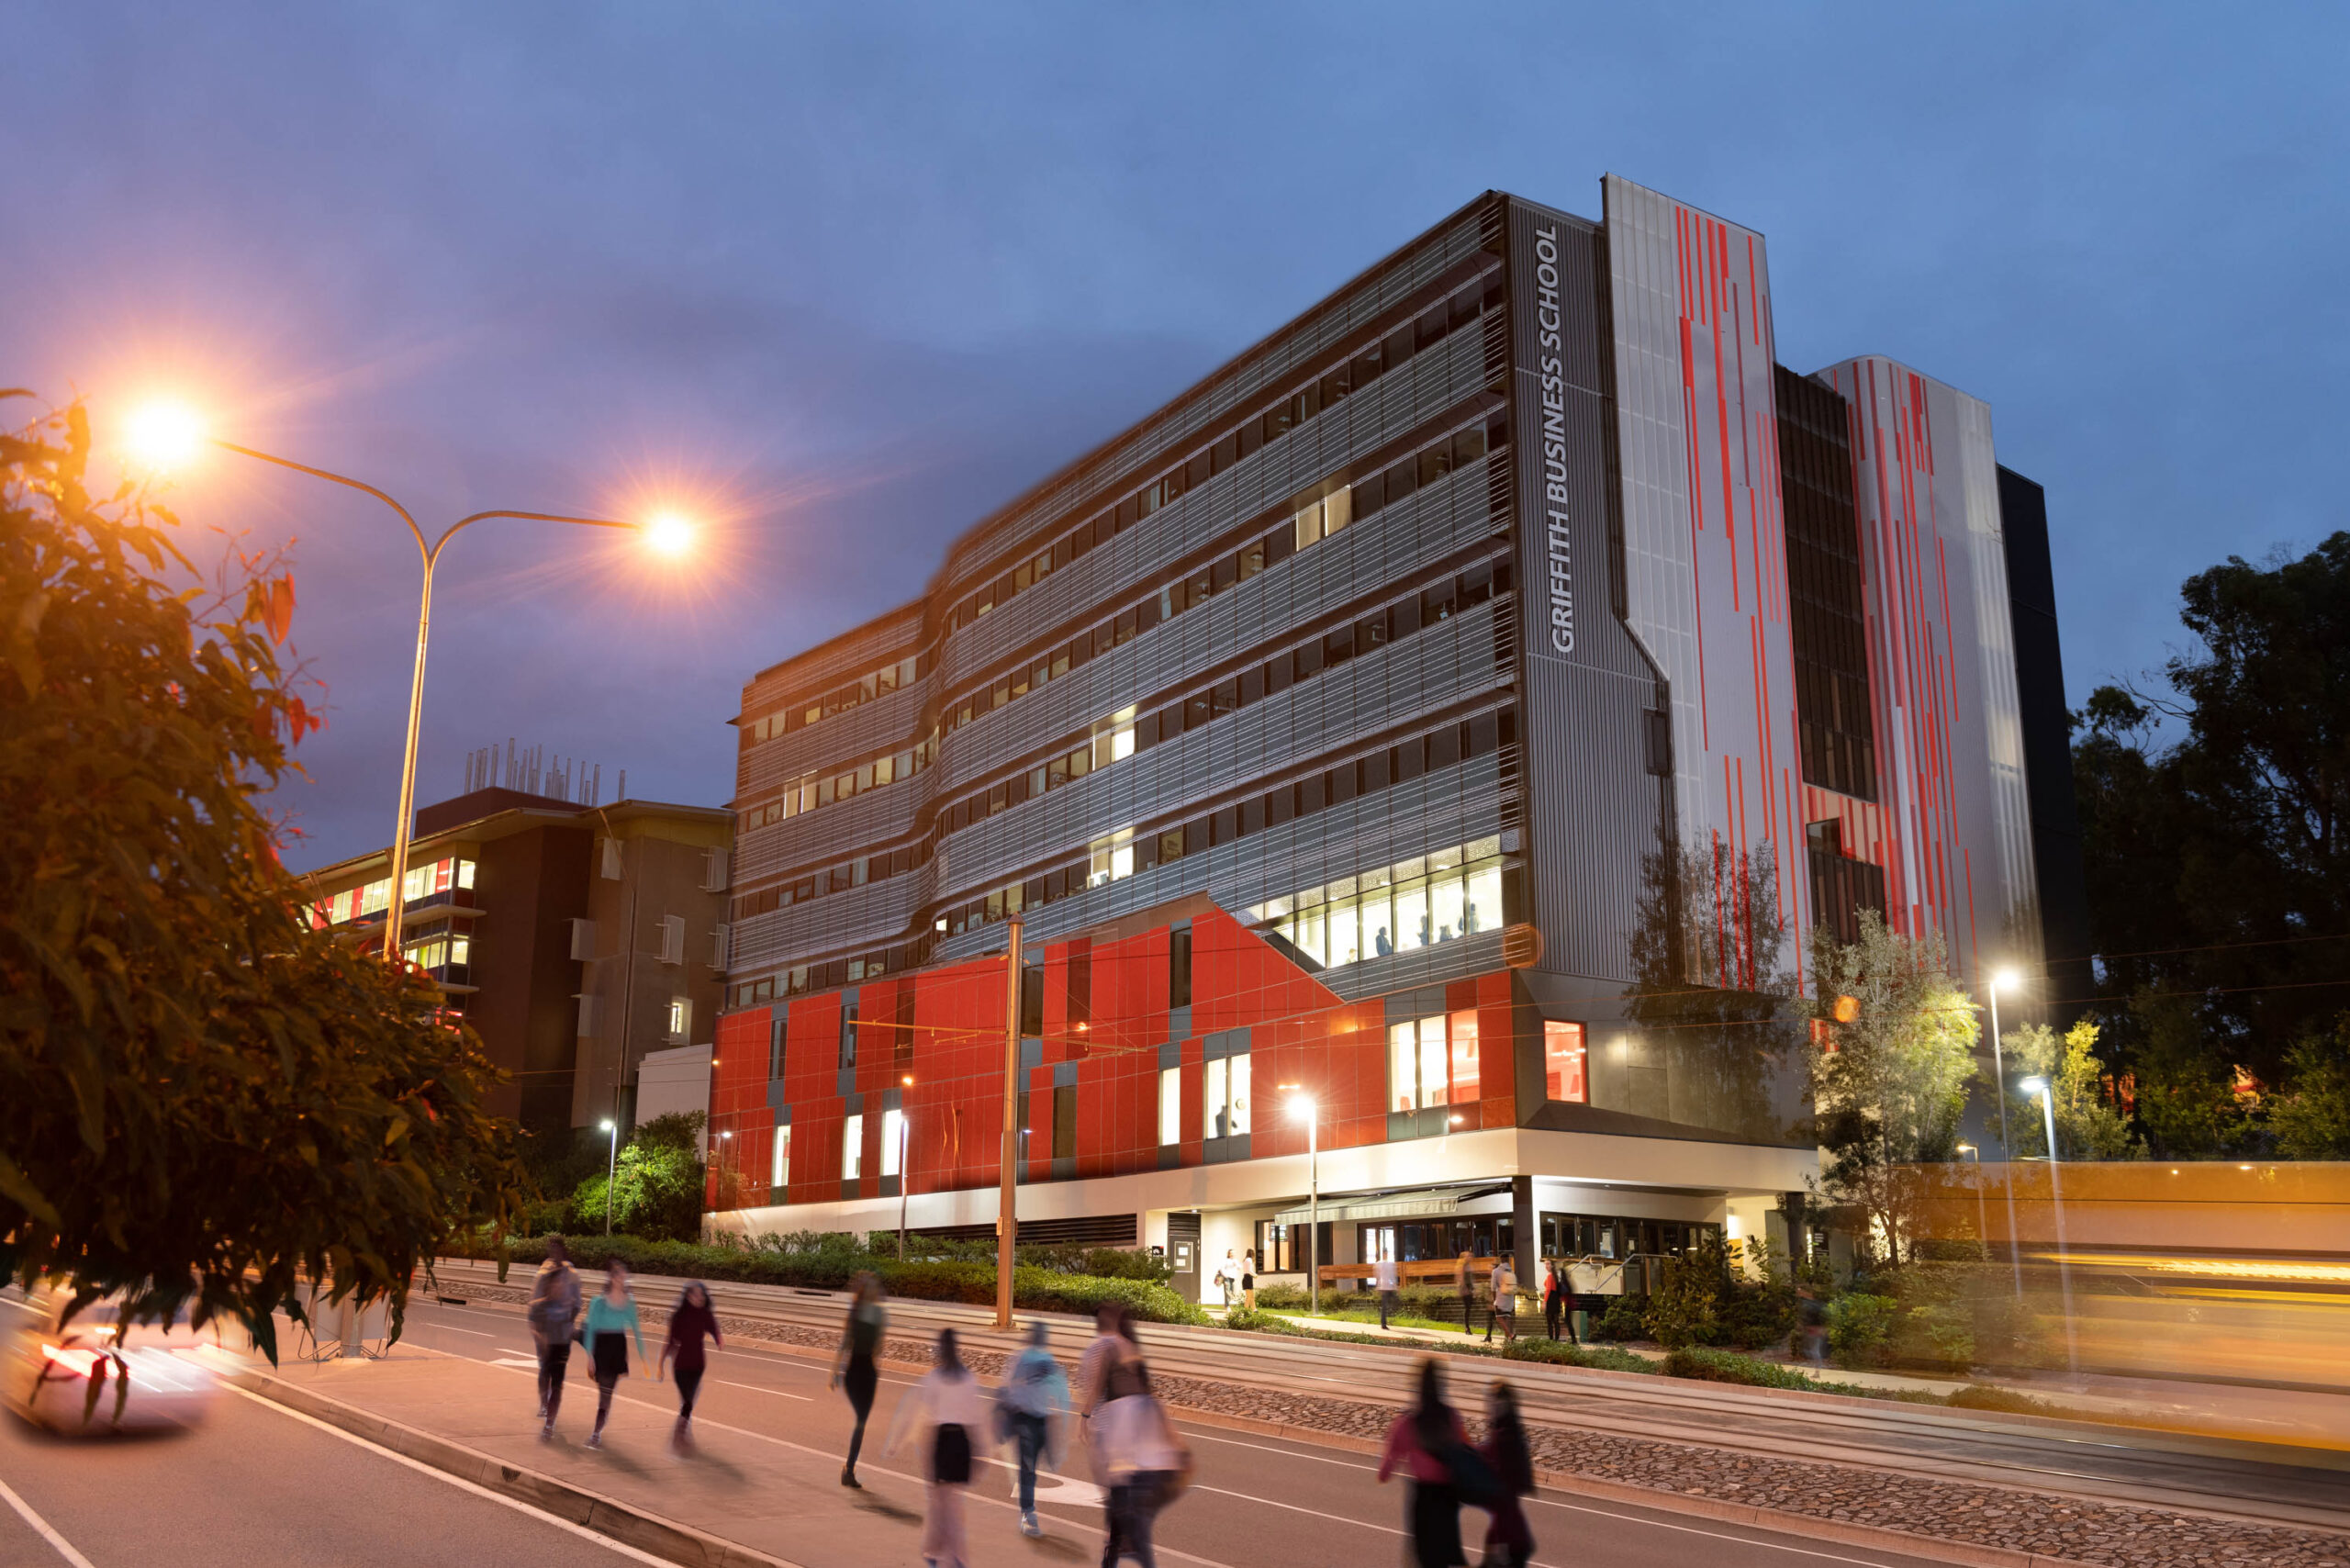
(1859, 1330)
(1976, 1397)
(831, 1266)
(1558, 1352)
(1724, 1366)
(1624, 1318)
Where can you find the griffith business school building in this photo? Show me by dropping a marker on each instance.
(1457, 707)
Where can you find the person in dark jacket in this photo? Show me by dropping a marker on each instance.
(1419, 1444)
(1509, 1541)
(853, 1369)
(554, 1313)
(690, 1322)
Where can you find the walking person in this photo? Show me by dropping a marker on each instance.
(947, 1399)
(1464, 1281)
(554, 1312)
(1137, 1457)
(611, 1319)
(1509, 1539)
(1425, 1443)
(1093, 1392)
(1504, 1307)
(1384, 1276)
(1248, 1278)
(853, 1367)
(690, 1322)
(1030, 1402)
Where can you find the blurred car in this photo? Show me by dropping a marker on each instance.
(143, 1375)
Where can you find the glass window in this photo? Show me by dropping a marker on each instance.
(1563, 1058)
(893, 1132)
(1482, 908)
(1447, 896)
(1310, 935)
(465, 873)
(1170, 1105)
(1378, 925)
(1239, 1103)
(1213, 1102)
(1403, 1067)
(1432, 1061)
(1412, 915)
(1345, 945)
(852, 1147)
(1464, 1057)
(779, 1176)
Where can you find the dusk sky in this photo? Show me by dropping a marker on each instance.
(845, 279)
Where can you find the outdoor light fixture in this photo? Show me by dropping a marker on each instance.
(611, 1170)
(2004, 979)
(2039, 1086)
(669, 533)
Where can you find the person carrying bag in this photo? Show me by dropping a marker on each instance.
(1138, 1456)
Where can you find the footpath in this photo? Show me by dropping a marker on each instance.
(752, 1499)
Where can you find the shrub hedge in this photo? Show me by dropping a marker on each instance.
(1034, 1289)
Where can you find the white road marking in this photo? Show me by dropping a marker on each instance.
(23, 1306)
(40, 1528)
(755, 1388)
(606, 1542)
(453, 1328)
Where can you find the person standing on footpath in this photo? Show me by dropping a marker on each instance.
(611, 1319)
(1227, 1275)
(1504, 1307)
(1248, 1278)
(553, 1311)
(947, 1398)
(853, 1364)
(1033, 1397)
(1384, 1275)
(1509, 1541)
(1420, 1444)
(1554, 1301)
(1464, 1281)
(690, 1321)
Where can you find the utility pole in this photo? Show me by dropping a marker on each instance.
(1007, 1218)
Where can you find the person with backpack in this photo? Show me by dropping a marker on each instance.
(690, 1322)
(853, 1365)
(1029, 1402)
(1429, 1444)
(947, 1400)
(1509, 1539)
(612, 1319)
(554, 1310)
(1505, 1308)
(1137, 1456)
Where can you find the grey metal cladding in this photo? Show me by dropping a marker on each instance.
(1432, 965)
(873, 915)
(1592, 808)
(1431, 524)
(1436, 666)
(1176, 428)
(891, 635)
(1427, 383)
(1451, 805)
(884, 724)
(826, 837)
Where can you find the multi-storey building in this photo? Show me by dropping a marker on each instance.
(1460, 709)
(574, 938)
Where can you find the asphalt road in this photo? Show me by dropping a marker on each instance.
(255, 1485)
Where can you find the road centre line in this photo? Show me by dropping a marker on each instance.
(755, 1388)
(41, 1528)
(477, 1333)
(623, 1548)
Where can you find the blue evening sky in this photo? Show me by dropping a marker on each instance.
(847, 277)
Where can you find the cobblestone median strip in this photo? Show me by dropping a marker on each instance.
(2000, 1525)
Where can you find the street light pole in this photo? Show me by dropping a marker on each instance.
(396, 898)
(1982, 1219)
(1302, 1108)
(905, 1171)
(2047, 1092)
(612, 1171)
(2000, 979)
(1007, 1203)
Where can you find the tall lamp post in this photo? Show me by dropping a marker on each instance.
(2005, 979)
(1302, 1108)
(1982, 1220)
(166, 435)
(2042, 1087)
(611, 1170)
(905, 1171)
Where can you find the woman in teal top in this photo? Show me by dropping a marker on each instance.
(612, 1311)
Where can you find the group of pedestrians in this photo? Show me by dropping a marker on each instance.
(1429, 1444)
(1237, 1273)
(604, 1331)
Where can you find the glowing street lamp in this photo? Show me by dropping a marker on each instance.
(165, 436)
(2040, 1087)
(1303, 1109)
(905, 1171)
(1982, 1220)
(2004, 979)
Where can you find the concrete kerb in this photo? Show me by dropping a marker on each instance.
(646, 1531)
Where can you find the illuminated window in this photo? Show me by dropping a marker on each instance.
(1429, 1065)
(1464, 1058)
(1226, 1107)
(1563, 1059)
(680, 1017)
(852, 1147)
(781, 1175)
(1170, 1105)
(465, 873)
(893, 1132)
